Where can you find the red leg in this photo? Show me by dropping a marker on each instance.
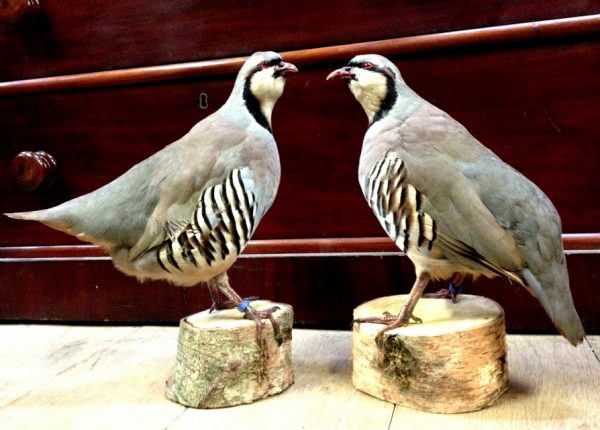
(406, 313)
(221, 283)
(219, 304)
(453, 290)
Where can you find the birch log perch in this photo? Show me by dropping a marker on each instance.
(455, 361)
(220, 363)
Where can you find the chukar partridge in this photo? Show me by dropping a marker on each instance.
(448, 202)
(186, 213)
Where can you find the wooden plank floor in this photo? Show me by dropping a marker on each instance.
(59, 377)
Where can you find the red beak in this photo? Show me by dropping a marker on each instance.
(285, 69)
(342, 73)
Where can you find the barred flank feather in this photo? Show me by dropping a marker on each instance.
(222, 224)
(397, 205)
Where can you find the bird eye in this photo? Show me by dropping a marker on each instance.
(367, 65)
(265, 64)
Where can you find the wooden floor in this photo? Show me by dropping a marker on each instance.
(58, 377)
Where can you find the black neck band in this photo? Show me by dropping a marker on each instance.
(389, 100)
(253, 105)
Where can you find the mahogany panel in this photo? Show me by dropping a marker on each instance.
(322, 290)
(72, 36)
(580, 243)
(490, 37)
(538, 107)
(18, 12)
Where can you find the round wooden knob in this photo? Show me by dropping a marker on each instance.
(13, 12)
(33, 170)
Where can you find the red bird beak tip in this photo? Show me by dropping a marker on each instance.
(286, 68)
(343, 73)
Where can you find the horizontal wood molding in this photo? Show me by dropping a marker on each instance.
(513, 33)
(580, 243)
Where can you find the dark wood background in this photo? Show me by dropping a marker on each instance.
(532, 97)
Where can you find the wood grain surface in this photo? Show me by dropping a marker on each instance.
(573, 28)
(527, 89)
(322, 290)
(68, 38)
(523, 104)
(113, 377)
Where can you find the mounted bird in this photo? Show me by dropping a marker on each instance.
(186, 213)
(451, 204)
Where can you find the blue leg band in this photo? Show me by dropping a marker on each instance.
(454, 289)
(243, 306)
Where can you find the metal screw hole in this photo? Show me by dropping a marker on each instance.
(203, 101)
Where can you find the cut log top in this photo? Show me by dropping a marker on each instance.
(440, 316)
(227, 319)
(454, 361)
(222, 360)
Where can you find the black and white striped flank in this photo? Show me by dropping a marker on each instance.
(398, 205)
(220, 228)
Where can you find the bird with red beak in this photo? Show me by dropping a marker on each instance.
(451, 204)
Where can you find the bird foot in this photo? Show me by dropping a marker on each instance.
(390, 321)
(220, 305)
(258, 316)
(451, 293)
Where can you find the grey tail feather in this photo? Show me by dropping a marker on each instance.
(558, 304)
(30, 216)
(44, 216)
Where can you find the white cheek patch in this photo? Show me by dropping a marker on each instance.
(369, 88)
(267, 90)
(264, 86)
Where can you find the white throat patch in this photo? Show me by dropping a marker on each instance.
(267, 90)
(369, 88)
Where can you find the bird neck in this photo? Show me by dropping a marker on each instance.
(388, 102)
(377, 96)
(260, 113)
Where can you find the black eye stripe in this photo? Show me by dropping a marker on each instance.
(269, 63)
(383, 70)
(360, 63)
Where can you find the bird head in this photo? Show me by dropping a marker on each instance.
(263, 78)
(373, 81)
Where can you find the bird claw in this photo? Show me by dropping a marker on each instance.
(227, 304)
(400, 321)
(451, 293)
(387, 318)
(416, 320)
(443, 293)
(258, 316)
(390, 321)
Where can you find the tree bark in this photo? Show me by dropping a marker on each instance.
(455, 361)
(221, 362)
